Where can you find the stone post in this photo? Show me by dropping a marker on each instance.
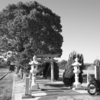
(88, 78)
(76, 65)
(95, 69)
(52, 70)
(27, 94)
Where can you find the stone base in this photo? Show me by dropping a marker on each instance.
(77, 86)
(35, 87)
(26, 96)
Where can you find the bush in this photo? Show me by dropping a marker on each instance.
(56, 71)
(47, 70)
(3, 64)
(68, 81)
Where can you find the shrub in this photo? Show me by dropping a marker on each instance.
(47, 70)
(68, 81)
(56, 71)
(3, 64)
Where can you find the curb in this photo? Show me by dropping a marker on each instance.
(12, 98)
(4, 75)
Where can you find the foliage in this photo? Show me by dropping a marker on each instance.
(47, 70)
(86, 65)
(10, 59)
(3, 63)
(3, 44)
(62, 64)
(30, 28)
(68, 75)
(68, 81)
(56, 71)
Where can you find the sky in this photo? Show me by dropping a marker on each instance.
(80, 20)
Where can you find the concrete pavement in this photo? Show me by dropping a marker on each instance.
(49, 91)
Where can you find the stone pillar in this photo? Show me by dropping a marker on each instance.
(34, 63)
(76, 65)
(27, 86)
(27, 94)
(95, 69)
(52, 70)
(88, 78)
(97, 72)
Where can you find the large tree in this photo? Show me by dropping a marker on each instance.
(31, 28)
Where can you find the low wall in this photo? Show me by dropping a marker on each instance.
(86, 74)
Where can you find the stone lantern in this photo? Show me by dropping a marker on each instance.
(30, 81)
(34, 63)
(76, 71)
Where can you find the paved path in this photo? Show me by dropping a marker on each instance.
(50, 91)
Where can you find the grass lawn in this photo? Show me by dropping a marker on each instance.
(6, 87)
(3, 71)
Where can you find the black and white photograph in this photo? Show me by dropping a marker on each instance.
(49, 50)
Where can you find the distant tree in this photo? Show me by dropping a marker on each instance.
(31, 28)
(47, 70)
(86, 65)
(68, 75)
(62, 64)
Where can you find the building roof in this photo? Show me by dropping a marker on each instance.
(91, 67)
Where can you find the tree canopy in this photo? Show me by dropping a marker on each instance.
(31, 28)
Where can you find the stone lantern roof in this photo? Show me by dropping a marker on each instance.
(76, 63)
(34, 61)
